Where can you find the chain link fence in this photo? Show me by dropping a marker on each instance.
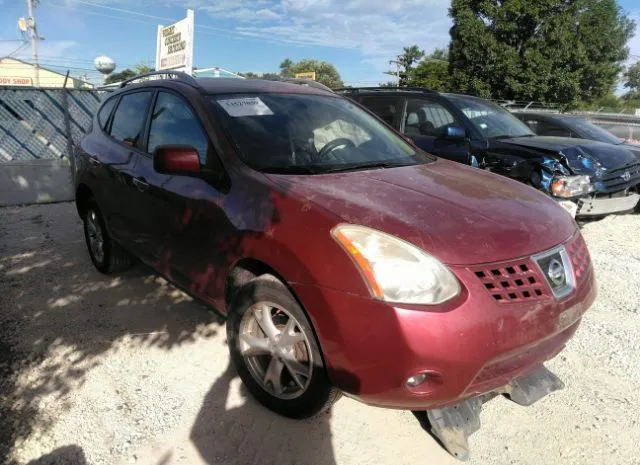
(43, 124)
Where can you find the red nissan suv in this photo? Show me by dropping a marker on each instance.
(346, 259)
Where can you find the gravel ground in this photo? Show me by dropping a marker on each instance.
(126, 369)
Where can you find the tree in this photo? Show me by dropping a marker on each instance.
(251, 75)
(142, 68)
(121, 76)
(432, 72)
(285, 68)
(632, 77)
(128, 73)
(326, 73)
(549, 50)
(404, 63)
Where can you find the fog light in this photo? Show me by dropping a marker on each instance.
(416, 380)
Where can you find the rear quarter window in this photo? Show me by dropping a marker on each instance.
(105, 111)
(130, 117)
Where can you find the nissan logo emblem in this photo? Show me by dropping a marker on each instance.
(626, 176)
(556, 272)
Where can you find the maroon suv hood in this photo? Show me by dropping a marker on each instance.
(460, 215)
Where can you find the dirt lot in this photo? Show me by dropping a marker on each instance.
(125, 369)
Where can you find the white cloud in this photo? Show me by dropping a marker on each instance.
(378, 29)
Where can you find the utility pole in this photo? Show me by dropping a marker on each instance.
(397, 63)
(34, 39)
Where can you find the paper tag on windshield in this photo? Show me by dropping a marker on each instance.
(246, 106)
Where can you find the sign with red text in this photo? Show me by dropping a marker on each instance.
(175, 45)
(15, 81)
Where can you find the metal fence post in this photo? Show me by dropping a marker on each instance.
(67, 129)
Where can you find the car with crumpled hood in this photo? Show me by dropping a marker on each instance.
(588, 178)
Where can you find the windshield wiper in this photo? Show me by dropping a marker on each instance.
(307, 169)
(512, 137)
(320, 169)
(365, 166)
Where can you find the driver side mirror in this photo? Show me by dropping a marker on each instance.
(455, 132)
(176, 159)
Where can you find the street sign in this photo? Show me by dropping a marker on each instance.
(307, 75)
(175, 45)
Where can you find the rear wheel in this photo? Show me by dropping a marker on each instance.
(107, 255)
(274, 350)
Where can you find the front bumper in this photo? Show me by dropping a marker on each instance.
(596, 207)
(606, 206)
(471, 346)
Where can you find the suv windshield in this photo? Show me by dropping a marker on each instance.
(493, 121)
(292, 133)
(590, 131)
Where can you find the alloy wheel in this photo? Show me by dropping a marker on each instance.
(276, 350)
(95, 236)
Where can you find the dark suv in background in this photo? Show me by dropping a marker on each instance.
(588, 178)
(561, 125)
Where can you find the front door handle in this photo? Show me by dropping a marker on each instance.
(94, 161)
(141, 184)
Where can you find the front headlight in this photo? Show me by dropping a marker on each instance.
(570, 186)
(394, 270)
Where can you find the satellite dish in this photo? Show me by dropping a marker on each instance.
(104, 64)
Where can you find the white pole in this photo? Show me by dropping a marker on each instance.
(158, 45)
(34, 41)
(191, 33)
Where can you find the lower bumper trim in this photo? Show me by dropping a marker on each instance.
(452, 426)
(598, 207)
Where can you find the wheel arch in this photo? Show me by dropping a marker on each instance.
(83, 195)
(248, 268)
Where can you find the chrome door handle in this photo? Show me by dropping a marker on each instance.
(94, 161)
(141, 184)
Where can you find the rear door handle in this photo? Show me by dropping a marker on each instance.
(141, 184)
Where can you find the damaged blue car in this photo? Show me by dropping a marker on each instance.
(589, 179)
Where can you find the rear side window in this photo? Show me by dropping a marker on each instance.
(547, 128)
(427, 118)
(174, 123)
(105, 111)
(129, 118)
(385, 107)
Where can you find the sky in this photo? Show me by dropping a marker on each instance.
(358, 36)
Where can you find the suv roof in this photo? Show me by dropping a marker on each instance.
(228, 85)
(360, 90)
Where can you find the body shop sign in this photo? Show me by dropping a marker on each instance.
(175, 45)
(15, 81)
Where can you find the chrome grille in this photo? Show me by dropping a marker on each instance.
(515, 281)
(614, 180)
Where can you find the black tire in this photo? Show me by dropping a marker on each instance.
(319, 395)
(114, 258)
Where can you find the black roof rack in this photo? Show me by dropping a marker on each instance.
(178, 75)
(302, 82)
(356, 90)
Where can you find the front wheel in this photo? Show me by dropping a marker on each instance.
(275, 352)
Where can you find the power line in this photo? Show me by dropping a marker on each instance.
(122, 10)
(222, 32)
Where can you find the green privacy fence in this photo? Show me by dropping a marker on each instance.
(43, 124)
